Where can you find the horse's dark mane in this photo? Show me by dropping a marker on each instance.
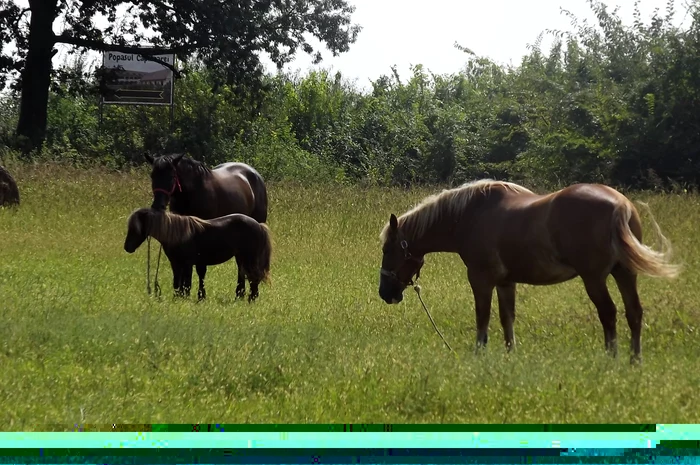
(192, 165)
(197, 166)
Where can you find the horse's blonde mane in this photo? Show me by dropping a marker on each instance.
(452, 202)
(169, 228)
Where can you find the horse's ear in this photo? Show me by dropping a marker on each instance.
(177, 158)
(393, 222)
(148, 158)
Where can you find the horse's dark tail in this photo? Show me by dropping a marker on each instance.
(256, 181)
(262, 261)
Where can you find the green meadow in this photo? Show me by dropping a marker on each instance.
(81, 342)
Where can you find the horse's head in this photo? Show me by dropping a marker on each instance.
(398, 265)
(137, 230)
(165, 180)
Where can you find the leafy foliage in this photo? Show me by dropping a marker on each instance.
(608, 102)
(224, 35)
(227, 36)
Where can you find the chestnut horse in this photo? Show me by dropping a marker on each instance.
(506, 234)
(206, 242)
(194, 189)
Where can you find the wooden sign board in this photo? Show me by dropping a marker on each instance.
(133, 79)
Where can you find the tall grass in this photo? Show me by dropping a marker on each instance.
(81, 341)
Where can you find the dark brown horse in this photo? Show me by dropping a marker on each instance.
(202, 243)
(506, 234)
(193, 189)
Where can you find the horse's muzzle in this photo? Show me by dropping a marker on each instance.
(391, 298)
(390, 288)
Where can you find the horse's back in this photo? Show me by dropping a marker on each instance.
(234, 167)
(234, 219)
(243, 188)
(581, 224)
(583, 205)
(550, 238)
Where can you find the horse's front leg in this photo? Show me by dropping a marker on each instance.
(186, 279)
(201, 272)
(240, 287)
(483, 293)
(177, 278)
(506, 310)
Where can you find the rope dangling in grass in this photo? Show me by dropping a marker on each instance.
(148, 266)
(156, 286)
(417, 289)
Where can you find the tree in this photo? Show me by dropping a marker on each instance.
(225, 35)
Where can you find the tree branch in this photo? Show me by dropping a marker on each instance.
(147, 53)
(15, 26)
(164, 6)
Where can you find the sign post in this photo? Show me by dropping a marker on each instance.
(133, 79)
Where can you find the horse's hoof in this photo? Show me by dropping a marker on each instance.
(480, 348)
(252, 297)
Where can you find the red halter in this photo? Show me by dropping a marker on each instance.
(176, 183)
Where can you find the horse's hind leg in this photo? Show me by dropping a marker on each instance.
(201, 272)
(254, 284)
(598, 293)
(506, 310)
(240, 288)
(627, 283)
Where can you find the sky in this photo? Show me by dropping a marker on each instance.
(409, 32)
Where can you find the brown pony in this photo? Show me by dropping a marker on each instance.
(506, 234)
(192, 188)
(201, 243)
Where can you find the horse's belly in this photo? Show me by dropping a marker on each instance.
(538, 272)
(543, 279)
(210, 257)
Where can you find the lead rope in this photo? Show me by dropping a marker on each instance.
(156, 286)
(148, 266)
(417, 289)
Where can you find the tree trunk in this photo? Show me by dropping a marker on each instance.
(9, 194)
(36, 76)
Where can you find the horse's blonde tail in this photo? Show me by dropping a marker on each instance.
(636, 256)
